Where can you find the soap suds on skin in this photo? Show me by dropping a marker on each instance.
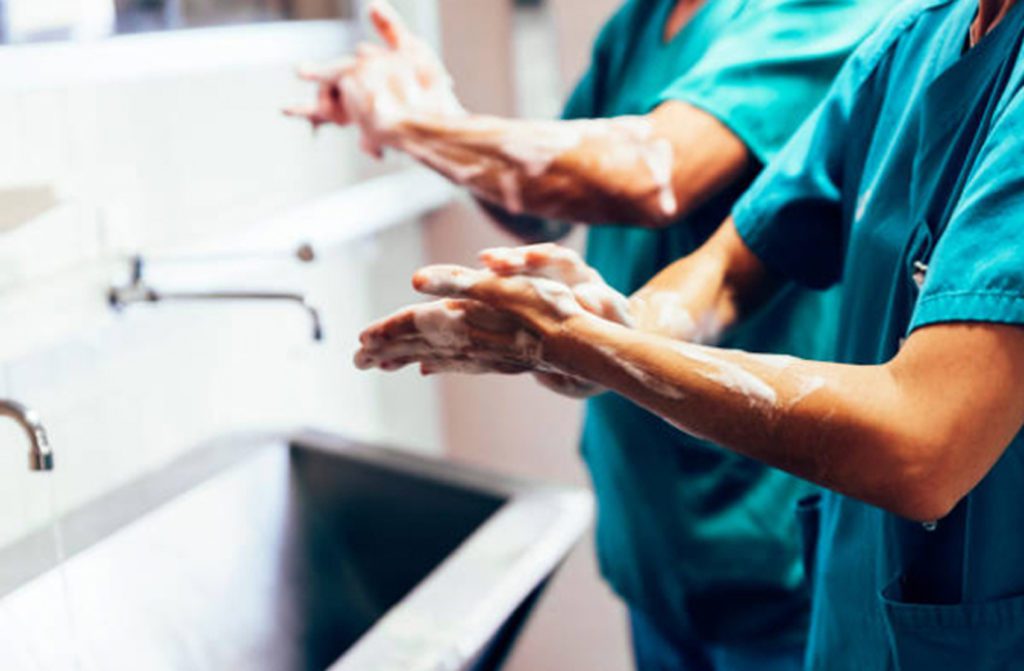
(565, 266)
(632, 138)
(441, 325)
(511, 192)
(604, 301)
(648, 380)
(776, 361)
(671, 319)
(806, 385)
(659, 159)
(460, 173)
(731, 375)
(557, 295)
(567, 385)
(455, 280)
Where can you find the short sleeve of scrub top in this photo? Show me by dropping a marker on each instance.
(773, 57)
(976, 272)
(792, 216)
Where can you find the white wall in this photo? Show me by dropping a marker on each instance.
(161, 145)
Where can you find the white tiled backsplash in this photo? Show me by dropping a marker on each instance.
(157, 164)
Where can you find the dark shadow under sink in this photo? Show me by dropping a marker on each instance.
(290, 554)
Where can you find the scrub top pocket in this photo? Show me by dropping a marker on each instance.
(985, 636)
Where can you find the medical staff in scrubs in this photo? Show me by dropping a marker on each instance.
(683, 103)
(907, 185)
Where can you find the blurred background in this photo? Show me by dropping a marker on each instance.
(152, 127)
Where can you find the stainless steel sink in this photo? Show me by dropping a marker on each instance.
(282, 553)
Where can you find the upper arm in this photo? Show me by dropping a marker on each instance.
(708, 156)
(961, 387)
(772, 64)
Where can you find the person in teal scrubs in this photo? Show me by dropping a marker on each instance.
(907, 186)
(701, 543)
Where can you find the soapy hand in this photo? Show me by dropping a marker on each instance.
(484, 324)
(566, 266)
(649, 310)
(381, 87)
(495, 319)
(449, 335)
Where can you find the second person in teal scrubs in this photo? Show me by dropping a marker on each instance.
(701, 543)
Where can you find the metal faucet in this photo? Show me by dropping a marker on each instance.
(138, 291)
(40, 456)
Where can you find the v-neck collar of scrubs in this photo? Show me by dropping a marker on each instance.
(695, 26)
(953, 111)
(665, 15)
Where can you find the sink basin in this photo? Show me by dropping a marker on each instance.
(298, 552)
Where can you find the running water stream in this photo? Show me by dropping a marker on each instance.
(74, 648)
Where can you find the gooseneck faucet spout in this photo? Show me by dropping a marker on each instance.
(40, 456)
(139, 291)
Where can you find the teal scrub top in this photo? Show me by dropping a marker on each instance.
(703, 541)
(908, 186)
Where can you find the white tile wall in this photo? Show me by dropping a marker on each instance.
(162, 162)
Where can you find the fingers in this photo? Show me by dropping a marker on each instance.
(454, 325)
(505, 260)
(389, 24)
(310, 113)
(448, 280)
(368, 50)
(544, 260)
(494, 352)
(438, 366)
(398, 325)
(446, 333)
(600, 299)
(563, 265)
(398, 355)
(560, 263)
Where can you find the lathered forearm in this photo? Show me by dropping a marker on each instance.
(839, 426)
(588, 171)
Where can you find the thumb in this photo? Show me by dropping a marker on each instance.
(389, 24)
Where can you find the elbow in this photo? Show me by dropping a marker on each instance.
(924, 504)
(640, 202)
(924, 488)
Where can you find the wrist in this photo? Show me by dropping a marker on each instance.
(566, 345)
